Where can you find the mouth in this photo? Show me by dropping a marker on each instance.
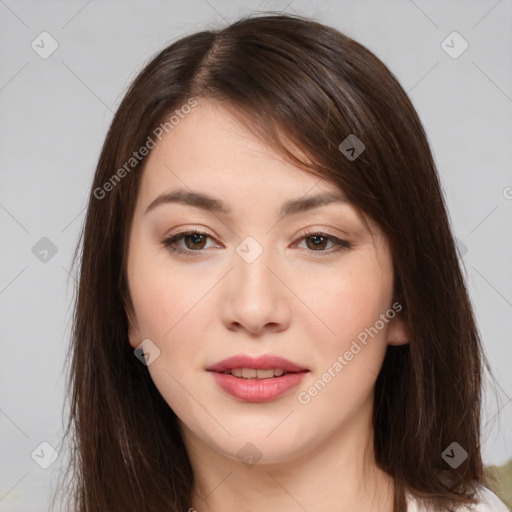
(249, 367)
(252, 373)
(260, 379)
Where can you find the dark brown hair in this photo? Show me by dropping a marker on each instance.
(293, 81)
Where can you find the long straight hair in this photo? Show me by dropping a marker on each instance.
(293, 81)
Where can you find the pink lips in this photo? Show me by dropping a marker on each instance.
(257, 390)
(264, 362)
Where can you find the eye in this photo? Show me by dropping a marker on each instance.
(195, 242)
(319, 241)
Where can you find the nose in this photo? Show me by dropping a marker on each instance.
(257, 299)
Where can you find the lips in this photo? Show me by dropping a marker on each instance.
(264, 362)
(260, 379)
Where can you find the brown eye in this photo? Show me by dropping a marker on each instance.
(194, 241)
(318, 242)
(197, 241)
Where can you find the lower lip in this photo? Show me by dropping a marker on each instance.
(258, 390)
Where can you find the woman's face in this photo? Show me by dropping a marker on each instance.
(252, 283)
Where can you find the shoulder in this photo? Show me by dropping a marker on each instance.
(491, 502)
(488, 502)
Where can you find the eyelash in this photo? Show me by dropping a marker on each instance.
(171, 242)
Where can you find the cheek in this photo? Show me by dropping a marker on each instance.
(164, 297)
(170, 307)
(166, 307)
(349, 357)
(349, 304)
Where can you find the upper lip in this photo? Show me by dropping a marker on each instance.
(263, 362)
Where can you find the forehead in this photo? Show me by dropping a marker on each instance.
(210, 150)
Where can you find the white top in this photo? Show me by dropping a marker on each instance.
(488, 502)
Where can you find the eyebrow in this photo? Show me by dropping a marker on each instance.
(209, 203)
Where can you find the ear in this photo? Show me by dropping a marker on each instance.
(133, 328)
(398, 331)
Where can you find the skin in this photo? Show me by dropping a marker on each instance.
(201, 309)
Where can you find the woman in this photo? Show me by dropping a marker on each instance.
(271, 311)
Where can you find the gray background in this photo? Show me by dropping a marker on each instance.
(54, 115)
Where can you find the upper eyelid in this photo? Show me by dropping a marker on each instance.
(341, 235)
(302, 233)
